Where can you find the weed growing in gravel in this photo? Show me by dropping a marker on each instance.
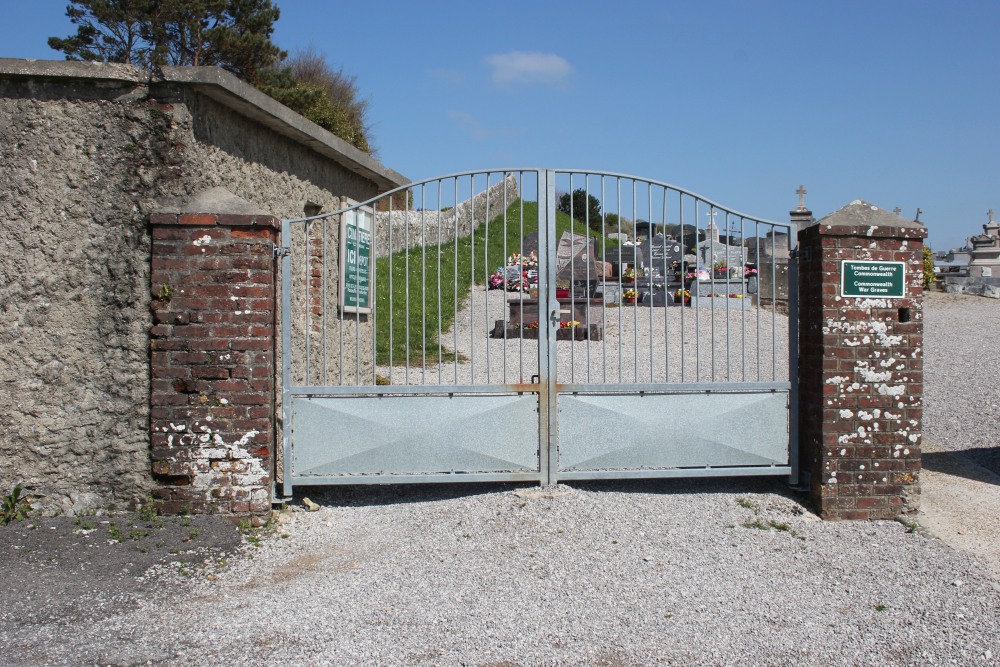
(115, 533)
(767, 525)
(255, 535)
(15, 506)
(148, 511)
(911, 526)
(83, 523)
(746, 503)
(880, 607)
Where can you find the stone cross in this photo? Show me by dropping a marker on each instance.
(801, 192)
(897, 210)
(990, 214)
(917, 219)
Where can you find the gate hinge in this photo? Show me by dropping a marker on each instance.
(280, 251)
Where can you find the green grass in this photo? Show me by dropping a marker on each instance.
(438, 279)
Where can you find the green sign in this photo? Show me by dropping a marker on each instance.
(879, 280)
(355, 261)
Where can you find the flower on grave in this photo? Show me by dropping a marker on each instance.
(629, 295)
(720, 265)
(496, 280)
(568, 325)
(749, 271)
(628, 274)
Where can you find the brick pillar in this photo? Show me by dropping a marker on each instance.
(213, 361)
(860, 367)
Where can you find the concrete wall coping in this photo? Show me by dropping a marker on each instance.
(225, 88)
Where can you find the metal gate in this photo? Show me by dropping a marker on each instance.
(536, 325)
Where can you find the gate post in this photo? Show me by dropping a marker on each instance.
(212, 358)
(860, 367)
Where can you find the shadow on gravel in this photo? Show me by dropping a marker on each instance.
(986, 460)
(373, 495)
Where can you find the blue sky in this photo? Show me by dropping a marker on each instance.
(896, 102)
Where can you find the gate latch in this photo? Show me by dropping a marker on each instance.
(554, 317)
(280, 251)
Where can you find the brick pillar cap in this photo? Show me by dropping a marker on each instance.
(859, 218)
(217, 200)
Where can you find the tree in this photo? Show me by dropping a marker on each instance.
(585, 208)
(329, 97)
(929, 276)
(233, 34)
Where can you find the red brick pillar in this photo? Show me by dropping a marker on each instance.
(860, 367)
(213, 361)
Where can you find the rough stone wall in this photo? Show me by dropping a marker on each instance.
(85, 163)
(411, 229)
(860, 371)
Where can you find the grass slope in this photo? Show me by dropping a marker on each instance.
(430, 284)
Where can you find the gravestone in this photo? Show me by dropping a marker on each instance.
(659, 253)
(626, 254)
(529, 244)
(576, 260)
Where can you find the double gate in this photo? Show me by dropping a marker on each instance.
(536, 325)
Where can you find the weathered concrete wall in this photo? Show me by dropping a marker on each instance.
(89, 151)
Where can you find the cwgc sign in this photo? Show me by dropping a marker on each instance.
(884, 280)
(356, 261)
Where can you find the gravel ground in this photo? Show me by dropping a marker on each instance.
(961, 379)
(709, 572)
(640, 344)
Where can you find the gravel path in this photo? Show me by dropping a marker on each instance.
(961, 375)
(676, 572)
(640, 344)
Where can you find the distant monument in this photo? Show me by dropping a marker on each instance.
(984, 259)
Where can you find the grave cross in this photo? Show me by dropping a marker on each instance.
(897, 210)
(801, 192)
(917, 219)
(991, 214)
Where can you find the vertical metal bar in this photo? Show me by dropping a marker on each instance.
(729, 287)
(406, 296)
(618, 190)
(389, 293)
(373, 299)
(649, 271)
(454, 279)
(323, 306)
(358, 213)
(684, 271)
(440, 301)
(486, 268)
(472, 274)
(604, 284)
(759, 293)
(774, 309)
(591, 266)
(505, 313)
(423, 289)
(307, 265)
(743, 303)
(793, 354)
(697, 312)
(520, 290)
(637, 269)
(548, 307)
(714, 230)
(666, 295)
(286, 357)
